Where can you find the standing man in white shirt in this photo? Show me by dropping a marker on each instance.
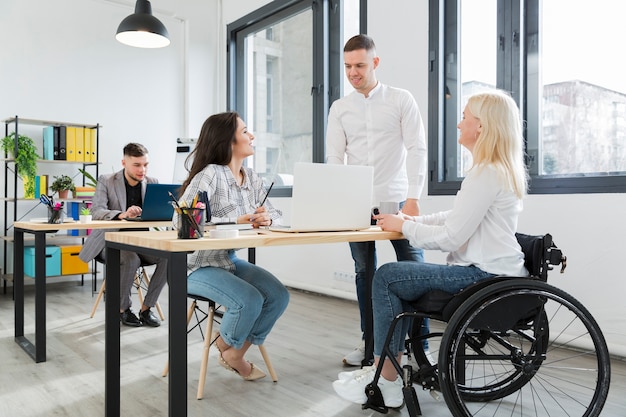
(380, 126)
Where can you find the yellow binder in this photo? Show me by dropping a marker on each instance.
(80, 144)
(87, 144)
(70, 143)
(94, 144)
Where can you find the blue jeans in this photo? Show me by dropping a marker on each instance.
(254, 299)
(404, 252)
(398, 283)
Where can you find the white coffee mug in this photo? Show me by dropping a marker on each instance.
(386, 207)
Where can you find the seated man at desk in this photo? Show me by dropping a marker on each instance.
(119, 196)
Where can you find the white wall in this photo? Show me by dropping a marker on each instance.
(71, 69)
(61, 62)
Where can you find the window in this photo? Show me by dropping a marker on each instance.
(283, 73)
(566, 80)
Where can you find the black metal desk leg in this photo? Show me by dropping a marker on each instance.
(36, 351)
(18, 282)
(369, 312)
(112, 336)
(177, 384)
(40, 297)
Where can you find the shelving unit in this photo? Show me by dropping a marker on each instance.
(22, 207)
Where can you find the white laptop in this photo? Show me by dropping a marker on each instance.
(328, 197)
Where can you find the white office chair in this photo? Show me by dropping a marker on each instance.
(213, 314)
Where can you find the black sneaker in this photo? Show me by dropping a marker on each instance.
(128, 318)
(148, 318)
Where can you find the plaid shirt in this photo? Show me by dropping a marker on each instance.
(227, 201)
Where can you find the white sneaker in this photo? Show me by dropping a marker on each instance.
(353, 389)
(355, 358)
(344, 376)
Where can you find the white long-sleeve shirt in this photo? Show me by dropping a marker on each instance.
(385, 131)
(480, 228)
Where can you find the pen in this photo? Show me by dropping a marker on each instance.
(267, 194)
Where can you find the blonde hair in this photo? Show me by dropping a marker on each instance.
(500, 142)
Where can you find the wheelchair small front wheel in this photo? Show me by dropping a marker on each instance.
(525, 348)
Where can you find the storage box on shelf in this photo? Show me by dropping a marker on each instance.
(53, 261)
(60, 260)
(71, 263)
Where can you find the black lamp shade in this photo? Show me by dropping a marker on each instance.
(142, 29)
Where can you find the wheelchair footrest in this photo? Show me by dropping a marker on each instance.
(375, 399)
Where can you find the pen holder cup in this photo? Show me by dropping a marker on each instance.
(55, 216)
(190, 223)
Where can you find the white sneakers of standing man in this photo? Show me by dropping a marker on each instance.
(355, 358)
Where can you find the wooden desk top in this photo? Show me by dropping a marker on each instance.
(167, 241)
(95, 224)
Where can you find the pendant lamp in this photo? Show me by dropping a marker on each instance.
(141, 29)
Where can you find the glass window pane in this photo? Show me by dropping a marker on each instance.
(350, 28)
(279, 78)
(475, 67)
(478, 62)
(583, 116)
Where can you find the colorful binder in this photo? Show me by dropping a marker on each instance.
(59, 143)
(70, 143)
(48, 142)
(93, 144)
(87, 144)
(37, 186)
(80, 144)
(55, 138)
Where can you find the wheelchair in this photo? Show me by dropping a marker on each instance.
(511, 347)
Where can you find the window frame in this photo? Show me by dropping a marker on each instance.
(326, 59)
(518, 69)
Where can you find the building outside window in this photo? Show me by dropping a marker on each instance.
(559, 61)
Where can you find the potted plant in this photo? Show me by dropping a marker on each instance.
(85, 214)
(62, 184)
(25, 160)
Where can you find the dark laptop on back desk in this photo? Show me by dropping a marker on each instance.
(157, 204)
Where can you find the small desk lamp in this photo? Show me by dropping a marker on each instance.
(142, 29)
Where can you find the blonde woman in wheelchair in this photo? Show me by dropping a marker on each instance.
(478, 233)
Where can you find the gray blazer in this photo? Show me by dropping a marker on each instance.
(108, 201)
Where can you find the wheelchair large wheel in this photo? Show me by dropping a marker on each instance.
(524, 348)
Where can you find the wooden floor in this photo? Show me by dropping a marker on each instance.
(306, 348)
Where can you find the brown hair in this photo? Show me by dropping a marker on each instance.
(214, 144)
(135, 150)
(359, 42)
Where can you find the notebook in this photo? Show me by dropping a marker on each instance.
(157, 204)
(329, 197)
